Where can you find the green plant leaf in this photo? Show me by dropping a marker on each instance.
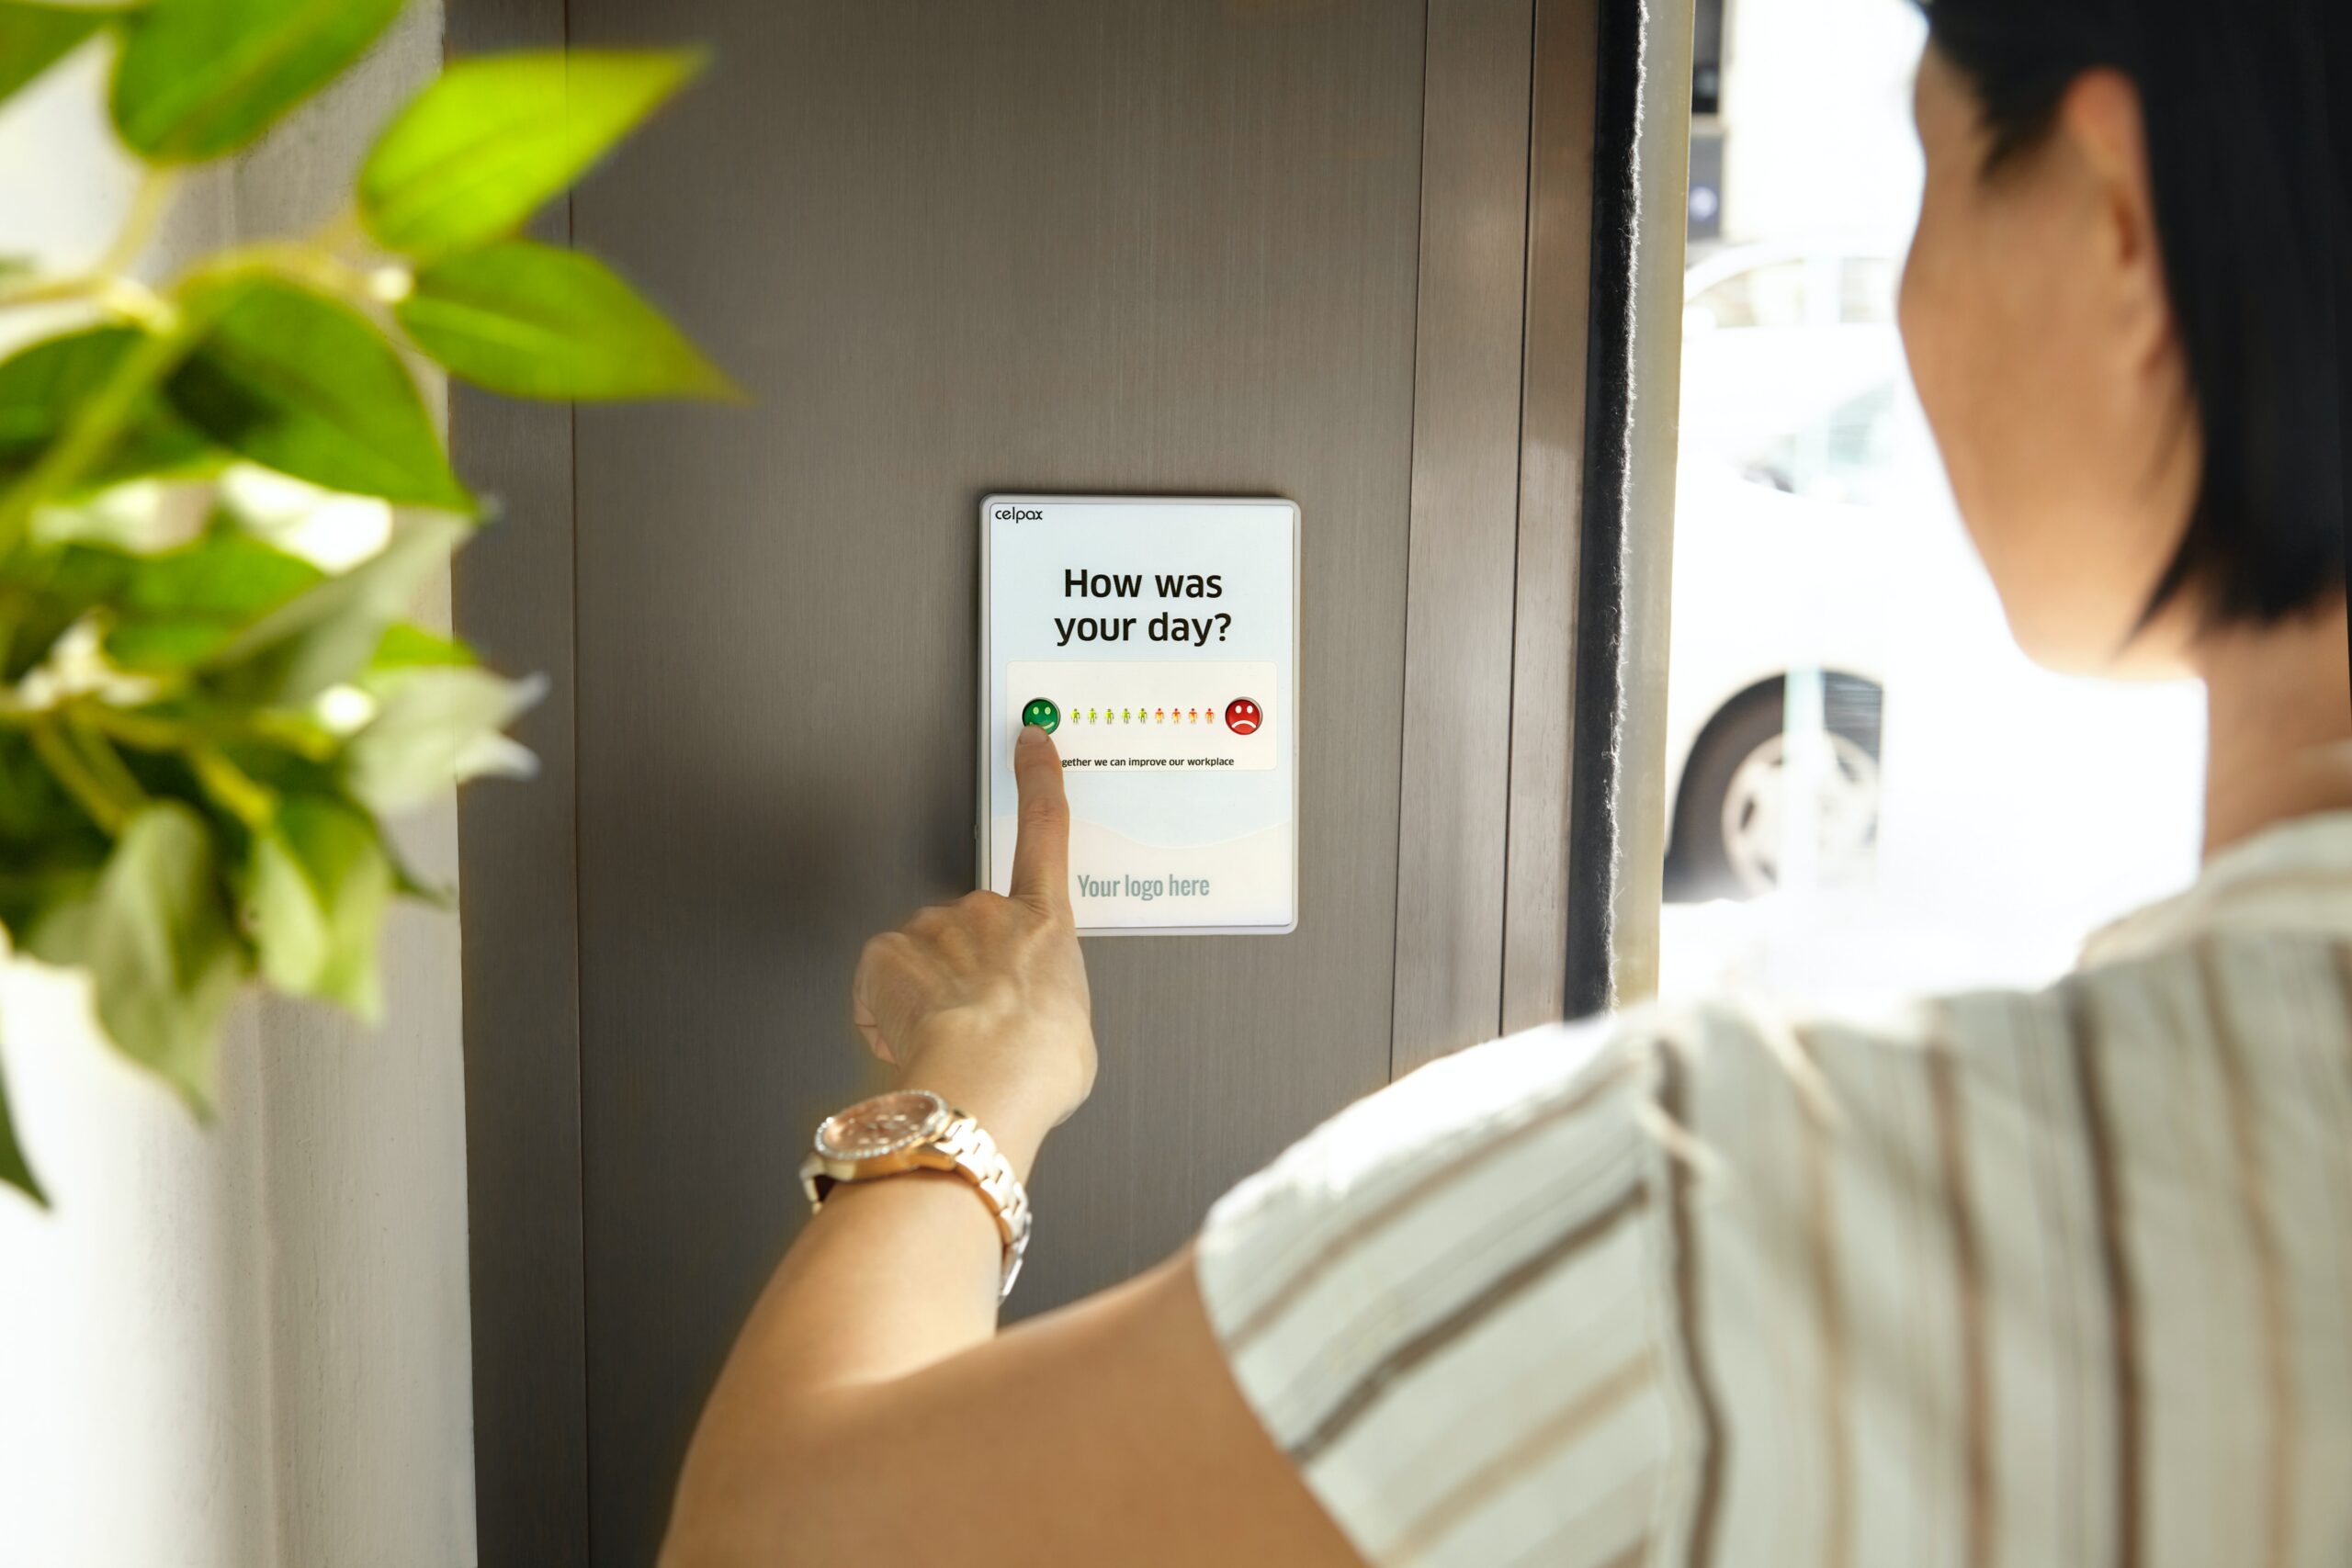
(34, 38)
(177, 609)
(437, 728)
(44, 906)
(317, 887)
(50, 855)
(328, 633)
(227, 574)
(291, 775)
(48, 892)
(199, 78)
(165, 962)
(303, 385)
(282, 767)
(535, 322)
(13, 1170)
(43, 592)
(161, 612)
(41, 385)
(489, 142)
(407, 647)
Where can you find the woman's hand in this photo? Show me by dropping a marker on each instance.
(870, 1397)
(984, 1001)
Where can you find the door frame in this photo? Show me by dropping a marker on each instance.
(1531, 814)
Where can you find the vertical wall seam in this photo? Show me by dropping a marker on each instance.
(579, 912)
(1412, 463)
(275, 1470)
(1519, 500)
(580, 899)
(579, 1001)
(230, 217)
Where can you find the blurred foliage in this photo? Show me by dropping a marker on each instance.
(220, 495)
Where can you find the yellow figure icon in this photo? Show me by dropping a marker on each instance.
(1160, 716)
(1125, 714)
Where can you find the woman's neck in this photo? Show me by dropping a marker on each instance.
(2278, 706)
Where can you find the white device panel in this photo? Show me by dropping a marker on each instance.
(1159, 639)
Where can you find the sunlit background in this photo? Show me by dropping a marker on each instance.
(1871, 791)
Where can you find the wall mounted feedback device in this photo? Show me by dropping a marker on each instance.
(1157, 640)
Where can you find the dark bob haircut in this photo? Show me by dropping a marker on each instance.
(2251, 209)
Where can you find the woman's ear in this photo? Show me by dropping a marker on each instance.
(2104, 132)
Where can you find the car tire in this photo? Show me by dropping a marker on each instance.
(1700, 862)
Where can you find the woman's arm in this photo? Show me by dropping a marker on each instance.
(869, 1409)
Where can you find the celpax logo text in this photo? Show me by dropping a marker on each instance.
(1019, 514)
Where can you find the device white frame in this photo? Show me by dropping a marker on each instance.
(988, 502)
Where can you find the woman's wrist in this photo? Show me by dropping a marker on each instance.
(1013, 1107)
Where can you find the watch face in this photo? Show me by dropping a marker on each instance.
(881, 1125)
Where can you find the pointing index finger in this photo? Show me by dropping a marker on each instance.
(1041, 850)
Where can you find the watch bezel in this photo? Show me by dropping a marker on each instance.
(934, 1124)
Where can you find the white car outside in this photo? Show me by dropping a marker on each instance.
(1797, 438)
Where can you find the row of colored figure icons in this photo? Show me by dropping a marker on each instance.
(1241, 715)
(1137, 715)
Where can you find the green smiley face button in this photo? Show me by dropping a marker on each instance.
(1044, 714)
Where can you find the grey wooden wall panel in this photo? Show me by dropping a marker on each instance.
(1055, 245)
(1551, 506)
(520, 916)
(1457, 701)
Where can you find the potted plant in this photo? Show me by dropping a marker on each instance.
(220, 494)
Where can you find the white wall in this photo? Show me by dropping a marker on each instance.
(245, 1345)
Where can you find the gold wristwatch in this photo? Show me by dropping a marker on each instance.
(913, 1129)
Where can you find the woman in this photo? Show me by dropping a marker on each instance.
(2054, 1278)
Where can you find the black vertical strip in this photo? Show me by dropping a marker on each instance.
(2328, 24)
(2335, 69)
(1600, 682)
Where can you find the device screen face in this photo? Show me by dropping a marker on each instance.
(1157, 640)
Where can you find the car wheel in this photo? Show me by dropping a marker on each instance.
(1728, 812)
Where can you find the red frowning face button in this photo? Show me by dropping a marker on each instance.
(1242, 716)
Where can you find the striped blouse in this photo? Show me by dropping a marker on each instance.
(2055, 1278)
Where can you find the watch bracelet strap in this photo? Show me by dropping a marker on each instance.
(979, 1161)
(983, 1164)
(964, 1147)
